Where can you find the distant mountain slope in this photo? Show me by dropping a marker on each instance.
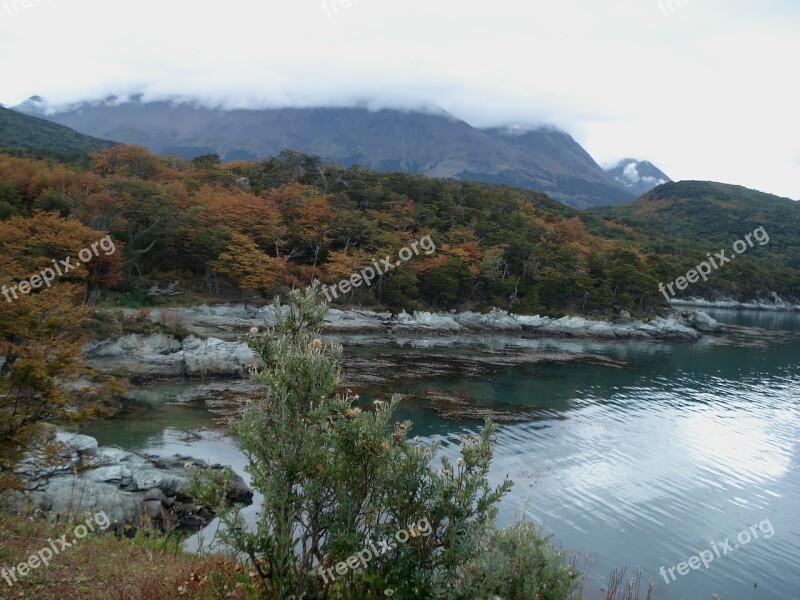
(639, 176)
(705, 212)
(681, 222)
(438, 145)
(19, 131)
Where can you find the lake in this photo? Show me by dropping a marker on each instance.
(658, 455)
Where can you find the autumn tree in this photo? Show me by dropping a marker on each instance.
(247, 265)
(127, 161)
(40, 328)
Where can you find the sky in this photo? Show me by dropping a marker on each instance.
(704, 89)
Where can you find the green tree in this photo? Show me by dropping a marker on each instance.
(336, 479)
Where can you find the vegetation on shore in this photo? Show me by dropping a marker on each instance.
(102, 566)
(247, 230)
(337, 481)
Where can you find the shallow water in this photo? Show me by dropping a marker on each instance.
(645, 465)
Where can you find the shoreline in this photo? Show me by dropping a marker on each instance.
(213, 346)
(781, 306)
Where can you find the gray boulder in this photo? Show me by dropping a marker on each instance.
(160, 355)
(132, 489)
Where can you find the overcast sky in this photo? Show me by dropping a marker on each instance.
(705, 90)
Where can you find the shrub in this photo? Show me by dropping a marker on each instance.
(337, 479)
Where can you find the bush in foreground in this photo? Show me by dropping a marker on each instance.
(337, 480)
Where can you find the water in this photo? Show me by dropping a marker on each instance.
(647, 464)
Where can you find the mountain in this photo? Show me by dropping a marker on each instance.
(435, 144)
(709, 213)
(639, 176)
(23, 132)
(678, 224)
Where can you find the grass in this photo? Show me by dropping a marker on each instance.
(104, 567)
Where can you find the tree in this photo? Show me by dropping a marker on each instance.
(255, 217)
(337, 479)
(30, 245)
(41, 355)
(133, 161)
(40, 331)
(248, 266)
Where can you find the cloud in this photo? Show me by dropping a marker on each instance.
(631, 173)
(621, 77)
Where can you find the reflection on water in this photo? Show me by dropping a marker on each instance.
(765, 319)
(642, 465)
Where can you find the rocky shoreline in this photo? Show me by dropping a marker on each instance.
(133, 490)
(227, 321)
(214, 348)
(775, 305)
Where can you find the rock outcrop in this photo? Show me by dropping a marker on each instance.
(774, 303)
(161, 355)
(230, 321)
(131, 489)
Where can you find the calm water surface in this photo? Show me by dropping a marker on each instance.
(645, 465)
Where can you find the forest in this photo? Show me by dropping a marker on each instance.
(201, 230)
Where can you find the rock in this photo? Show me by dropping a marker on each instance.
(703, 322)
(129, 488)
(495, 319)
(425, 320)
(361, 320)
(161, 355)
(79, 443)
(776, 303)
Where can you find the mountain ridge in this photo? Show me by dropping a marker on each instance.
(639, 176)
(19, 131)
(437, 144)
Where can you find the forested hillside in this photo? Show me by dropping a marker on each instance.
(34, 135)
(677, 224)
(245, 230)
